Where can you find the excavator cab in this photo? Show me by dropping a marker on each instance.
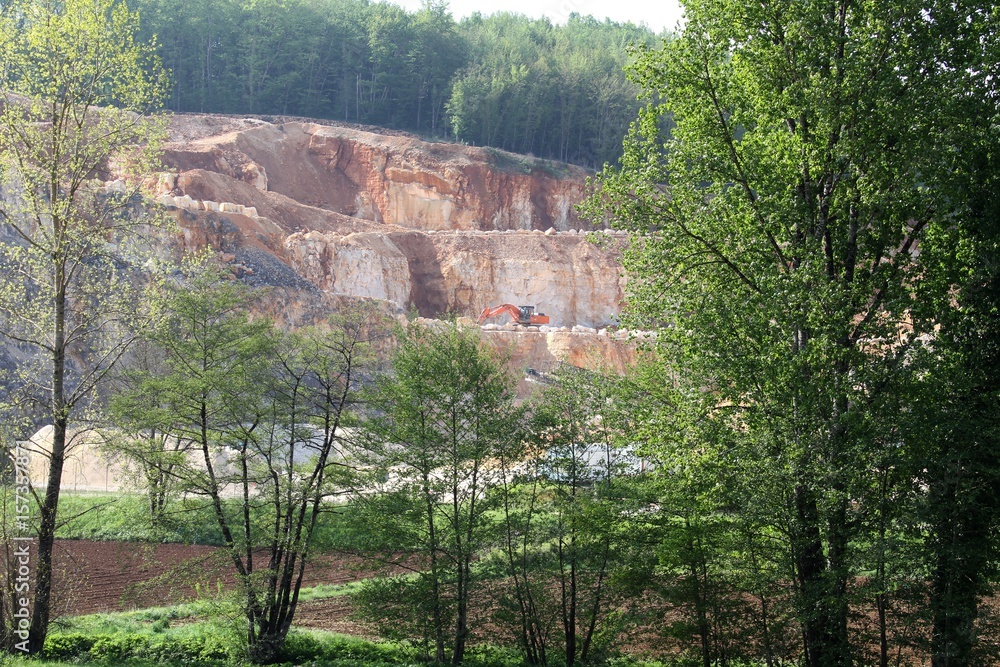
(524, 319)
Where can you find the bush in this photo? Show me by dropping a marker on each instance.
(115, 648)
(63, 647)
(301, 647)
(118, 647)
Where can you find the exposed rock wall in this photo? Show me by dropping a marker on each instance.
(569, 278)
(436, 227)
(393, 179)
(444, 186)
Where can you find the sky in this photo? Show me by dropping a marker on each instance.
(657, 14)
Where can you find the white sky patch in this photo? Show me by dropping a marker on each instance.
(656, 14)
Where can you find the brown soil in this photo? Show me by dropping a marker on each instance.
(114, 576)
(333, 614)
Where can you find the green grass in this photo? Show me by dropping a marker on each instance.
(205, 632)
(149, 619)
(125, 517)
(324, 591)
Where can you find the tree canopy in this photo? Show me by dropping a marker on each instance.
(75, 90)
(504, 80)
(800, 183)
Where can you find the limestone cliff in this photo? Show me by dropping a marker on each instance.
(324, 213)
(393, 179)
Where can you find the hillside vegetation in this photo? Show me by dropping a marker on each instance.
(503, 80)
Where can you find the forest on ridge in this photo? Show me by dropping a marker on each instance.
(502, 80)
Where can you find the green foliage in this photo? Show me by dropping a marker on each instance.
(118, 517)
(505, 80)
(118, 642)
(252, 420)
(304, 646)
(76, 90)
(125, 517)
(65, 646)
(555, 91)
(569, 556)
(434, 426)
(800, 249)
(402, 607)
(124, 647)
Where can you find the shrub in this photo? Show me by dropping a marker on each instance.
(301, 647)
(62, 647)
(118, 647)
(115, 648)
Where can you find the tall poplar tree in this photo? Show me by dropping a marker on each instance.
(436, 424)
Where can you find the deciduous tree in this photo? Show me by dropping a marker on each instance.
(75, 88)
(261, 414)
(780, 224)
(437, 424)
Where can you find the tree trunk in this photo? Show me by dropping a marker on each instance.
(957, 572)
(266, 648)
(47, 526)
(822, 599)
(462, 613)
(438, 617)
(46, 538)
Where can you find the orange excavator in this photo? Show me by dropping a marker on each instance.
(524, 315)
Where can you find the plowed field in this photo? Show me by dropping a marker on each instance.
(114, 576)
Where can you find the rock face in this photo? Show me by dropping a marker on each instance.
(567, 277)
(439, 228)
(392, 179)
(327, 213)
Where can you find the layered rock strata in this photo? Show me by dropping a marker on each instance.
(433, 227)
(327, 213)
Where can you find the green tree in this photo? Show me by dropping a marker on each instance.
(956, 393)
(136, 437)
(262, 415)
(76, 87)
(437, 52)
(781, 222)
(572, 556)
(438, 420)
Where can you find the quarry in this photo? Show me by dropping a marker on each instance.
(323, 213)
